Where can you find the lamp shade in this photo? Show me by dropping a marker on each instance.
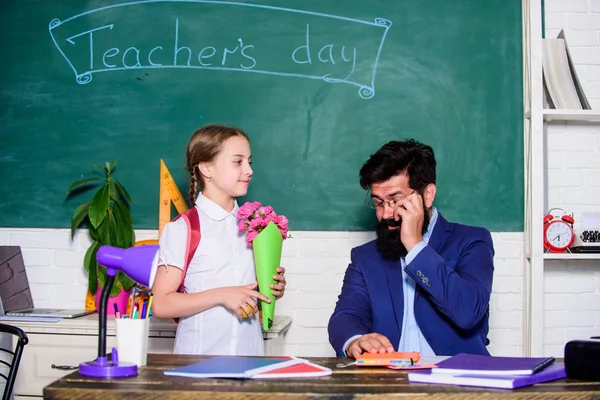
(139, 263)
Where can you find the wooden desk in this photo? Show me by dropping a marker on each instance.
(71, 341)
(348, 383)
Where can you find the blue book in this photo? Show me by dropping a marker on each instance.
(232, 367)
(550, 373)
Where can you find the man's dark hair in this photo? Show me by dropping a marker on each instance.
(414, 159)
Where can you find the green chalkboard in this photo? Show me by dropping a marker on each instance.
(318, 85)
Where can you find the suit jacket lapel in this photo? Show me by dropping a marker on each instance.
(440, 233)
(393, 271)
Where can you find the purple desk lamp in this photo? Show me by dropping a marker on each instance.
(139, 263)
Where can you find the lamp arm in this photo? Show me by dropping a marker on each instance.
(110, 279)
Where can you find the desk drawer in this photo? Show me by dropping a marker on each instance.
(43, 350)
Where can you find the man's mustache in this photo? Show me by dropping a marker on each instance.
(391, 222)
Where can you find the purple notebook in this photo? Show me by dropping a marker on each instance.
(553, 372)
(473, 364)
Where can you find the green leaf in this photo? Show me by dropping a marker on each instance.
(129, 236)
(99, 206)
(81, 182)
(114, 164)
(126, 281)
(104, 233)
(101, 276)
(94, 234)
(123, 213)
(79, 216)
(122, 191)
(116, 288)
(121, 230)
(113, 230)
(115, 193)
(100, 168)
(91, 266)
(89, 255)
(125, 225)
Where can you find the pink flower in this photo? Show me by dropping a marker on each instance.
(248, 209)
(255, 224)
(250, 237)
(283, 223)
(265, 211)
(254, 218)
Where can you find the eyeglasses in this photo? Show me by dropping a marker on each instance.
(377, 204)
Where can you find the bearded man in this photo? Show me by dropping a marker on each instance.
(425, 283)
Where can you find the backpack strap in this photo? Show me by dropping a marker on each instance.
(192, 221)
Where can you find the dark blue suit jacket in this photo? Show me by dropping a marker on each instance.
(453, 276)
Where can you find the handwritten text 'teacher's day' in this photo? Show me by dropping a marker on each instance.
(101, 40)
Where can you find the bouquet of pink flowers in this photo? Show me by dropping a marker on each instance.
(265, 231)
(254, 218)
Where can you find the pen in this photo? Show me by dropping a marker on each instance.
(140, 306)
(129, 310)
(149, 306)
(143, 314)
(135, 311)
(543, 365)
(117, 313)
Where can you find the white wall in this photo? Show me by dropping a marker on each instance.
(572, 299)
(316, 261)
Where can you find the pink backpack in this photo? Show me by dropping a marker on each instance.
(192, 220)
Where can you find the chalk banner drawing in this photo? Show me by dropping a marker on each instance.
(224, 36)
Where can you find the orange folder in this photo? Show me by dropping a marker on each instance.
(388, 359)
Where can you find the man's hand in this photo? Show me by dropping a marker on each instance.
(411, 211)
(372, 343)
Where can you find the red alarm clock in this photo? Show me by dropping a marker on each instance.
(558, 232)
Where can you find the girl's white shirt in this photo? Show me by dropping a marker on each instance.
(221, 259)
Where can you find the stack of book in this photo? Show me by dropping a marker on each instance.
(561, 84)
(492, 372)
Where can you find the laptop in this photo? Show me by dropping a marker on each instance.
(15, 295)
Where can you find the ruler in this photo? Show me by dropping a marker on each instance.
(169, 194)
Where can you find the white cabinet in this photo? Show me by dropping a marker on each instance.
(53, 347)
(536, 190)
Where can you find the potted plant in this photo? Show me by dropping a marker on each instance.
(108, 218)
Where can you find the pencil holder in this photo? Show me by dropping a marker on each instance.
(132, 340)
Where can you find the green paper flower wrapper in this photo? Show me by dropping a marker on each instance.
(267, 258)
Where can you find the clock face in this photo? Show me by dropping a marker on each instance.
(559, 235)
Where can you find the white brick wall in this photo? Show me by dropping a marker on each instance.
(315, 263)
(572, 298)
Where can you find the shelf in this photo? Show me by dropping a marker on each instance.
(571, 256)
(571, 115)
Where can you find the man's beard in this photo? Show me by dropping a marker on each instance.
(389, 244)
